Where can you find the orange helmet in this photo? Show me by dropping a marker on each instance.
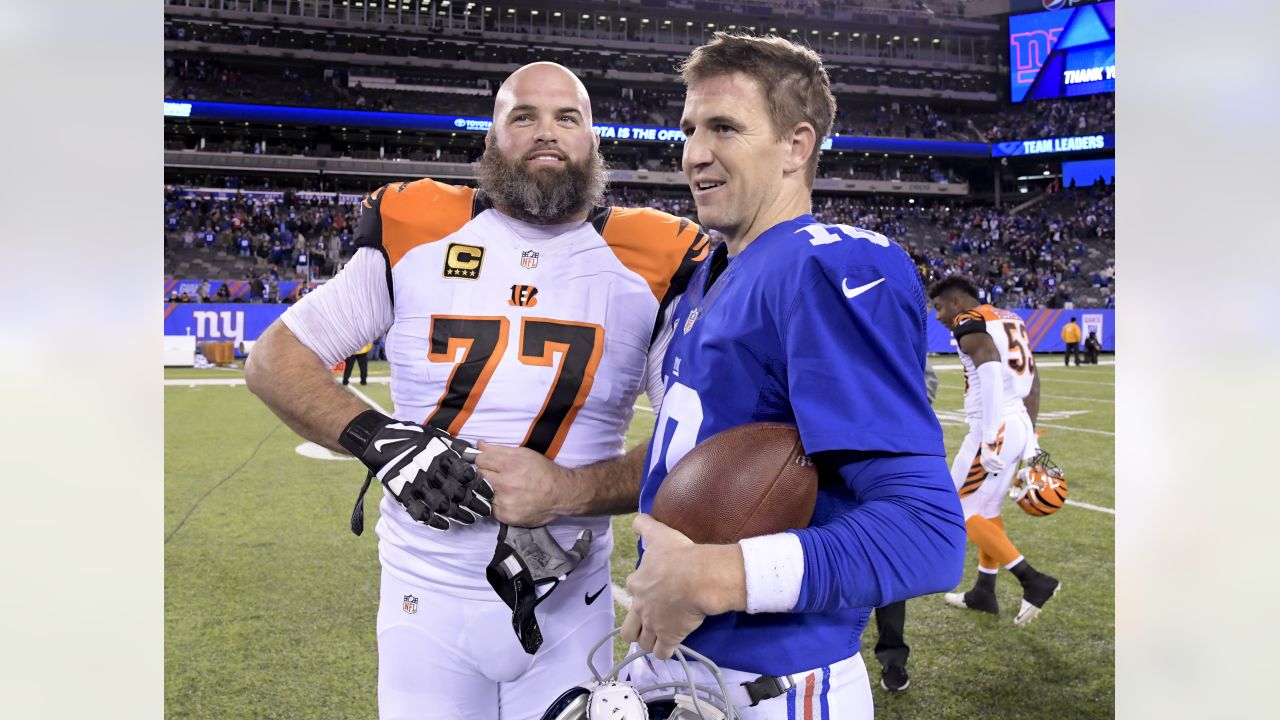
(1040, 488)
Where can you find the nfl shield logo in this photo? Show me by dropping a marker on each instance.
(693, 318)
(529, 259)
(410, 604)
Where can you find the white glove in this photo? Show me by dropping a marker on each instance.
(990, 458)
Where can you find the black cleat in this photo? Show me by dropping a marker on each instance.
(1035, 593)
(975, 599)
(894, 678)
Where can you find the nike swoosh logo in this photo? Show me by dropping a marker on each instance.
(591, 597)
(855, 292)
(377, 446)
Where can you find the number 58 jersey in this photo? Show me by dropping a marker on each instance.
(504, 331)
(1018, 367)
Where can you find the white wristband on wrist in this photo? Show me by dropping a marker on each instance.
(774, 568)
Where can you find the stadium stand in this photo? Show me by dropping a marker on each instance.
(921, 70)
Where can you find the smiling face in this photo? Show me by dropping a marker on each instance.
(541, 161)
(734, 160)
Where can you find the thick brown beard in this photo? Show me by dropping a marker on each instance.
(541, 196)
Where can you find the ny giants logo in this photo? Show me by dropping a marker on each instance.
(219, 325)
(1029, 50)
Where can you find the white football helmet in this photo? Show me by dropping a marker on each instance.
(614, 699)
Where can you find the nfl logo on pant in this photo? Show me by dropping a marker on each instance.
(410, 604)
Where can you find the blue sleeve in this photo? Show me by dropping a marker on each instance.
(900, 535)
(855, 365)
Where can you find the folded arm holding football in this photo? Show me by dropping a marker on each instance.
(907, 505)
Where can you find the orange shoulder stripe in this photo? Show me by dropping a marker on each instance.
(421, 212)
(972, 314)
(988, 312)
(653, 244)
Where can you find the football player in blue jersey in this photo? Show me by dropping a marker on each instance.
(796, 321)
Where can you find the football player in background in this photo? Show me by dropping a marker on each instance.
(795, 321)
(520, 313)
(1001, 402)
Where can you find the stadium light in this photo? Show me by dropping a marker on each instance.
(533, 12)
(556, 14)
(936, 41)
(601, 17)
(586, 17)
(711, 25)
(896, 38)
(444, 3)
(857, 34)
(644, 21)
(915, 39)
(666, 22)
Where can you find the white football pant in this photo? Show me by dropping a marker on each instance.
(833, 692)
(989, 496)
(459, 658)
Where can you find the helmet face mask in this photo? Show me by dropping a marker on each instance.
(1040, 488)
(614, 698)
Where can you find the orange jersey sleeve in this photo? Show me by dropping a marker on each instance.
(401, 216)
(663, 249)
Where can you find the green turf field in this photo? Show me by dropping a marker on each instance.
(270, 600)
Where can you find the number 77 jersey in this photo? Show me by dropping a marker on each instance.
(1018, 367)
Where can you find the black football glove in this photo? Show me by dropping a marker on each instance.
(428, 471)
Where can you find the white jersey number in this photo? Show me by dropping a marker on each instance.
(682, 406)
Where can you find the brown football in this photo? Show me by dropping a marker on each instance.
(746, 481)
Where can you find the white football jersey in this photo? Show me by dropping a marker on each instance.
(513, 333)
(1018, 367)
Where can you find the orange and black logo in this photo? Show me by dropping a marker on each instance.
(463, 261)
(523, 296)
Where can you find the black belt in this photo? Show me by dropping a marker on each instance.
(767, 687)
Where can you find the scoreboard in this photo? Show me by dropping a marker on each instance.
(1063, 53)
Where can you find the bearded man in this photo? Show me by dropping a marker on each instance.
(521, 314)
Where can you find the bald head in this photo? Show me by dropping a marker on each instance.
(539, 84)
(541, 161)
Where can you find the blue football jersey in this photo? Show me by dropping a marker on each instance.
(820, 326)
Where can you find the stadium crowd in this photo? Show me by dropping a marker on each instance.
(208, 78)
(1057, 253)
(1034, 258)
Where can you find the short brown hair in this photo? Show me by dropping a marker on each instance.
(795, 84)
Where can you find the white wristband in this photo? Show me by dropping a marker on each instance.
(774, 568)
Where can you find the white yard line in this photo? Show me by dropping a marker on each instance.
(192, 382)
(1080, 399)
(622, 597)
(1087, 506)
(1080, 382)
(367, 400)
(1077, 429)
(958, 366)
